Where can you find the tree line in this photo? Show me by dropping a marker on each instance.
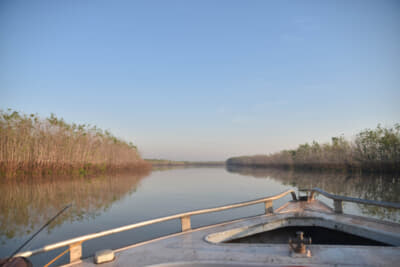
(372, 150)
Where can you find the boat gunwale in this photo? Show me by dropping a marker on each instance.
(185, 218)
(194, 234)
(383, 204)
(79, 240)
(310, 218)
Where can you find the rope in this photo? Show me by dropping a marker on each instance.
(56, 258)
(62, 254)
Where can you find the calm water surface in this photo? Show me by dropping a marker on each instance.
(106, 202)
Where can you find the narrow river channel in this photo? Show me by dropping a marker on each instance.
(107, 202)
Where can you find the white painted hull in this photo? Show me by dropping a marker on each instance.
(204, 246)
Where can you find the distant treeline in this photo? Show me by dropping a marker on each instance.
(172, 163)
(30, 145)
(376, 150)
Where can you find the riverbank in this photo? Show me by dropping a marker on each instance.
(174, 163)
(376, 150)
(32, 146)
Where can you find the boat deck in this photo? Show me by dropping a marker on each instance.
(206, 246)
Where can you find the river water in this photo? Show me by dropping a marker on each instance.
(105, 202)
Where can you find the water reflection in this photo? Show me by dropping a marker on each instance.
(369, 186)
(27, 204)
(107, 202)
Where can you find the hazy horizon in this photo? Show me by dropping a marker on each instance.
(205, 80)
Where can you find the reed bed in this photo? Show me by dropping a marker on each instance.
(30, 145)
(376, 150)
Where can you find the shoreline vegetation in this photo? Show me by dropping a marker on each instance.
(177, 163)
(372, 150)
(32, 146)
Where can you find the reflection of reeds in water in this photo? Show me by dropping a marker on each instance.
(26, 204)
(371, 186)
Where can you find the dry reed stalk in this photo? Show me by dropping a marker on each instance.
(29, 145)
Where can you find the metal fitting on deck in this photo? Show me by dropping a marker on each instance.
(102, 256)
(298, 244)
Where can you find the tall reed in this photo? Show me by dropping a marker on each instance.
(376, 150)
(33, 146)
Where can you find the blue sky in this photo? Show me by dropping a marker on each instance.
(205, 80)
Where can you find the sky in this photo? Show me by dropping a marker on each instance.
(205, 80)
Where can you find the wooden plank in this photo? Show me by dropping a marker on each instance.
(338, 206)
(185, 223)
(268, 207)
(75, 252)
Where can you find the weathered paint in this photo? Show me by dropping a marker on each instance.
(75, 252)
(203, 247)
